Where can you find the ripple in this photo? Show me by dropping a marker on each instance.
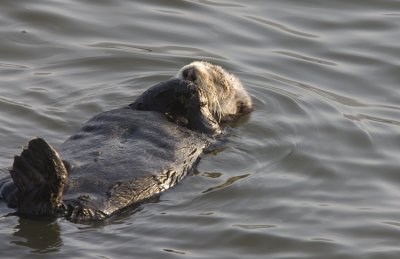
(13, 66)
(14, 103)
(218, 3)
(348, 101)
(230, 181)
(281, 27)
(360, 117)
(322, 239)
(211, 175)
(395, 224)
(254, 226)
(174, 251)
(391, 14)
(305, 58)
(119, 46)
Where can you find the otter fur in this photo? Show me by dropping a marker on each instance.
(123, 157)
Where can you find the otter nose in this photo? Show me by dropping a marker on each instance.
(190, 74)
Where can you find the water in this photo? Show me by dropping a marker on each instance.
(314, 173)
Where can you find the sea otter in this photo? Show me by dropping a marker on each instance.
(123, 157)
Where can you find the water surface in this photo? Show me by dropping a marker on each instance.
(314, 172)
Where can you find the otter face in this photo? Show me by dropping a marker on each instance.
(220, 91)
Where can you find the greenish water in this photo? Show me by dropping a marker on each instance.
(314, 173)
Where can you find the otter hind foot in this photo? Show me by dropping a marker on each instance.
(40, 175)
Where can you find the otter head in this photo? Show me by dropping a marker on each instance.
(221, 92)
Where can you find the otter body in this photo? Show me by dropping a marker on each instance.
(120, 157)
(122, 152)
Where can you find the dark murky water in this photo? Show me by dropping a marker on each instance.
(314, 173)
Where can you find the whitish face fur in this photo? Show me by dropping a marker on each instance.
(221, 91)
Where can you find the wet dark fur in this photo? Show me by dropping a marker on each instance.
(117, 159)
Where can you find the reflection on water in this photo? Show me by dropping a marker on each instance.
(227, 183)
(312, 173)
(40, 236)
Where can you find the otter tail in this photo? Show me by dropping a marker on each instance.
(39, 175)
